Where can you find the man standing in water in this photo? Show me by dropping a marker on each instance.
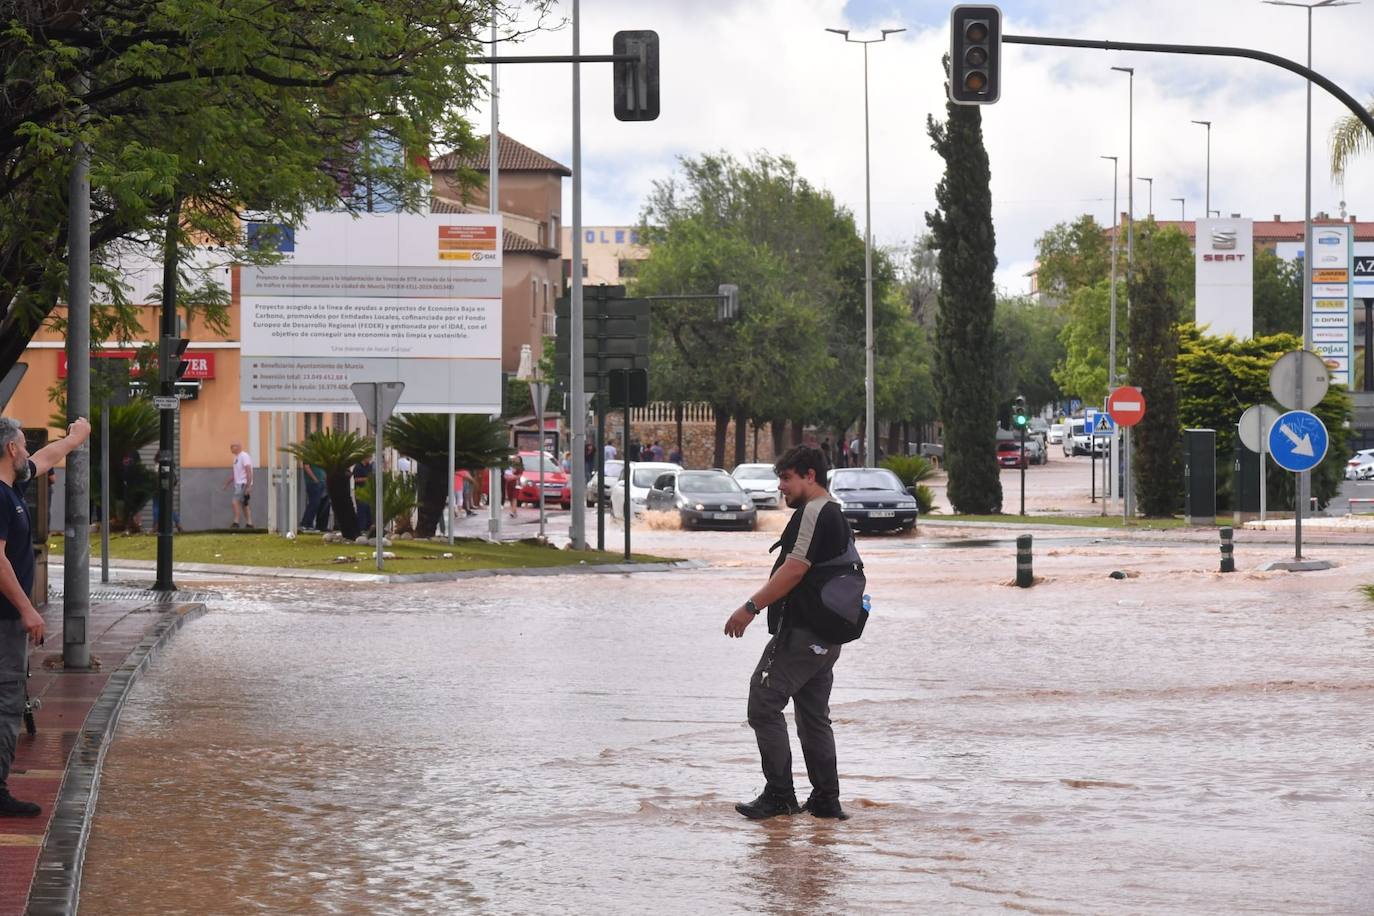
(797, 664)
(20, 621)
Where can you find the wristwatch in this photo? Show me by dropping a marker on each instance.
(751, 607)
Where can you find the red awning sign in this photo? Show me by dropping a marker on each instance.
(200, 363)
(1126, 405)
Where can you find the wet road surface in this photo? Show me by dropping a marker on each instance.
(1178, 742)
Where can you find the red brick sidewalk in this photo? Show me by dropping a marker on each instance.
(68, 697)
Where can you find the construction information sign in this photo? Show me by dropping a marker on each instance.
(381, 297)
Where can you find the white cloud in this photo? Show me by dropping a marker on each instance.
(765, 75)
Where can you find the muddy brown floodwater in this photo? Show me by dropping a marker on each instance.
(1178, 742)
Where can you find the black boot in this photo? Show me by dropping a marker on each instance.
(769, 804)
(13, 807)
(825, 807)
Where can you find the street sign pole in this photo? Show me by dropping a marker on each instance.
(377, 492)
(1023, 471)
(629, 509)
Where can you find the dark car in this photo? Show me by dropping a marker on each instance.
(1010, 455)
(703, 499)
(873, 499)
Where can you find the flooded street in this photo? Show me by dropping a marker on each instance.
(1176, 742)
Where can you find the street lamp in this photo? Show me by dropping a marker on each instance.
(870, 386)
(1127, 490)
(1150, 212)
(1111, 332)
(1305, 480)
(1207, 205)
(1182, 208)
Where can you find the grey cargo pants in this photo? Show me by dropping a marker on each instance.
(796, 665)
(14, 656)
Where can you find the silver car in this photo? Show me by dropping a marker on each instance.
(759, 481)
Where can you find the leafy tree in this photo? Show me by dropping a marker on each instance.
(1349, 138)
(238, 108)
(798, 262)
(479, 442)
(1029, 347)
(1073, 255)
(1158, 450)
(965, 330)
(1278, 295)
(1219, 378)
(336, 451)
(1082, 371)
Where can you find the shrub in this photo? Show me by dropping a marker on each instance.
(912, 469)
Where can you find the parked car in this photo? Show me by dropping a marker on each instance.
(703, 499)
(1361, 465)
(1056, 433)
(542, 479)
(1076, 440)
(1037, 452)
(642, 475)
(1010, 455)
(760, 483)
(873, 499)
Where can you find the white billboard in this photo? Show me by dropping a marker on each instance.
(1225, 272)
(380, 297)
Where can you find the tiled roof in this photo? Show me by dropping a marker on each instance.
(514, 157)
(444, 205)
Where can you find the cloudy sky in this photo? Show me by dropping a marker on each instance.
(765, 75)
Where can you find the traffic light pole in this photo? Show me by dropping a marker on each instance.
(1024, 462)
(167, 373)
(1365, 116)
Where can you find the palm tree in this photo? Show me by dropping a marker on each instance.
(132, 426)
(336, 452)
(479, 442)
(1349, 138)
(398, 498)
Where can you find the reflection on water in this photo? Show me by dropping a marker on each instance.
(558, 745)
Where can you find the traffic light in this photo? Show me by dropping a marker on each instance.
(729, 301)
(975, 55)
(1018, 413)
(170, 365)
(636, 81)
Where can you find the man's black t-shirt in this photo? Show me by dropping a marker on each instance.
(816, 532)
(16, 532)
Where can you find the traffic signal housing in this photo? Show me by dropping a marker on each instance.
(975, 55)
(170, 366)
(636, 81)
(1018, 413)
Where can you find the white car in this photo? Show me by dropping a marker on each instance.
(642, 477)
(1056, 435)
(595, 484)
(760, 483)
(1361, 465)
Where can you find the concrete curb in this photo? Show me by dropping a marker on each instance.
(56, 887)
(401, 578)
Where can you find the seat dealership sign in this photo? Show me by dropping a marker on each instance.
(1226, 276)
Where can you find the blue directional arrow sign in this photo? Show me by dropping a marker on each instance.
(1298, 441)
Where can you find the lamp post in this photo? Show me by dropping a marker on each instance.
(870, 386)
(1305, 479)
(1150, 205)
(1207, 205)
(1111, 326)
(1182, 208)
(1127, 489)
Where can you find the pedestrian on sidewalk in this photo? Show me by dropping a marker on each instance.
(462, 484)
(362, 474)
(20, 622)
(796, 664)
(314, 497)
(241, 479)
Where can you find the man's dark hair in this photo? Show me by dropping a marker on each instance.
(802, 458)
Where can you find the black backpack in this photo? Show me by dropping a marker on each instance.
(830, 599)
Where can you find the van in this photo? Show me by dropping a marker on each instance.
(1076, 440)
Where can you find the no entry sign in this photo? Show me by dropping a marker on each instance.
(1126, 405)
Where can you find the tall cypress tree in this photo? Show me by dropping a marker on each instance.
(1157, 447)
(966, 346)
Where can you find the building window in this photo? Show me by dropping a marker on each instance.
(567, 270)
(628, 267)
(534, 297)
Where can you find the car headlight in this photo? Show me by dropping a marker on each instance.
(907, 504)
(699, 507)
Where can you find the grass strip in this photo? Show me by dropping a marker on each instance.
(309, 551)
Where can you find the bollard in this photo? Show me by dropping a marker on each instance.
(1228, 560)
(1024, 576)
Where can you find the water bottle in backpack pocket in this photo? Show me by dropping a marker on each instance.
(831, 598)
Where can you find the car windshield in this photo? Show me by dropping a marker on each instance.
(645, 477)
(867, 479)
(532, 462)
(706, 483)
(755, 472)
(1008, 446)
(613, 469)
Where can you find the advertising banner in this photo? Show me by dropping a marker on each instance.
(380, 297)
(1332, 260)
(1225, 272)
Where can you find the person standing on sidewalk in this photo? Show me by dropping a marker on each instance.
(20, 621)
(796, 664)
(314, 496)
(241, 479)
